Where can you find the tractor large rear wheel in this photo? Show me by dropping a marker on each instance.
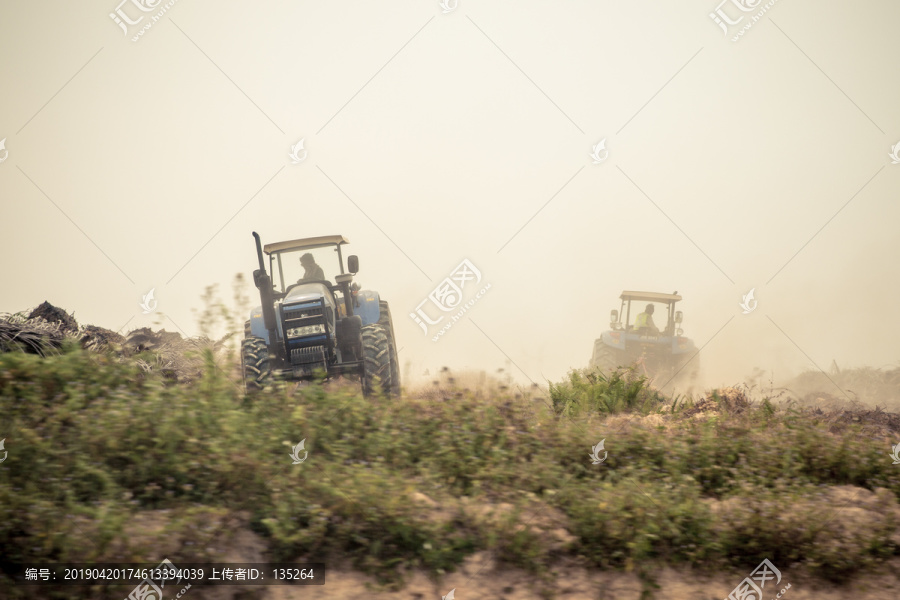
(604, 358)
(376, 360)
(255, 363)
(384, 319)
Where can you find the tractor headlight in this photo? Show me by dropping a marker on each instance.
(308, 330)
(679, 331)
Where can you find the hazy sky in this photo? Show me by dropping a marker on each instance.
(435, 137)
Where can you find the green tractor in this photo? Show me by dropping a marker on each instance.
(313, 320)
(659, 354)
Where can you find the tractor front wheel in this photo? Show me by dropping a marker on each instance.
(255, 363)
(376, 360)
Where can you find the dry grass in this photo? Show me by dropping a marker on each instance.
(46, 329)
(35, 336)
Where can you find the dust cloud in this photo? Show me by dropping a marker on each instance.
(763, 164)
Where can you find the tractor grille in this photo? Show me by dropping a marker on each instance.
(305, 325)
(305, 356)
(306, 314)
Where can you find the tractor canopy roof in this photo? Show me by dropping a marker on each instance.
(313, 242)
(650, 297)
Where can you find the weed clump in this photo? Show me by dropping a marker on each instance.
(591, 391)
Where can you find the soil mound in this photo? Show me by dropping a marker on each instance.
(54, 314)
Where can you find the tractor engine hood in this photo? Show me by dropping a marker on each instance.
(306, 296)
(306, 292)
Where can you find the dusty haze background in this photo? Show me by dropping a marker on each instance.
(436, 137)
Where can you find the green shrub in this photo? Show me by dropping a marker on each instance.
(589, 391)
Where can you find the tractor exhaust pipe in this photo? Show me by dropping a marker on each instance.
(259, 252)
(263, 283)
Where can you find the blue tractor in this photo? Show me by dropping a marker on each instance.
(312, 319)
(660, 354)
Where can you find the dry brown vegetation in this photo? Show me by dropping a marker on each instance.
(45, 329)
